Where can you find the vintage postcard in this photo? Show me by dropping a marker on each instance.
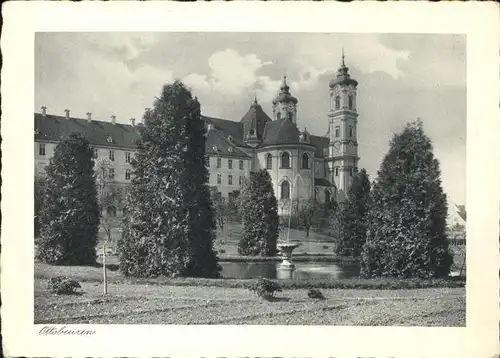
(191, 181)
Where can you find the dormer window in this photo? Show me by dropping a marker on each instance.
(251, 131)
(230, 138)
(230, 150)
(215, 148)
(109, 139)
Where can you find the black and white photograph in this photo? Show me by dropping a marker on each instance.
(258, 187)
(250, 178)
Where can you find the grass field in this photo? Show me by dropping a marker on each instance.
(129, 303)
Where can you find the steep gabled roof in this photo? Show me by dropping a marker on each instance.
(228, 127)
(53, 128)
(218, 144)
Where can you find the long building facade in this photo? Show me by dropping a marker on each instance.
(302, 166)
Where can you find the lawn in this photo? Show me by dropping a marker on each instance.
(132, 303)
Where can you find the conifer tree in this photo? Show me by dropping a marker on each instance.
(69, 220)
(260, 216)
(169, 225)
(351, 216)
(406, 234)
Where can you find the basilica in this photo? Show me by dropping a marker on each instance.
(302, 166)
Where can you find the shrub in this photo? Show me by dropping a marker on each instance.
(316, 294)
(265, 288)
(61, 285)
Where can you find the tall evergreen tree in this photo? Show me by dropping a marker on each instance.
(406, 234)
(260, 216)
(69, 220)
(351, 217)
(169, 225)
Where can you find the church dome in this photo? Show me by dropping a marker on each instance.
(343, 76)
(284, 96)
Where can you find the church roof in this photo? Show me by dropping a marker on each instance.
(54, 128)
(322, 182)
(320, 143)
(281, 131)
(284, 96)
(256, 118)
(219, 144)
(235, 129)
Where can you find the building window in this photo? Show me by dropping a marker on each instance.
(337, 102)
(230, 179)
(305, 161)
(240, 180)
(127, 174)
(241, 164)
(350, 131)
(327, 196)
(269, 161)
(337, 132)
(285, 190)
(112, 155)
(127, 157)
(315, 194)
(41, 148)
(96, 153)
(219, 162)
(219, 179)
(290, 116)
(111, 173)
(350, 172)
(278, 116)
(351, 101)
(230, 163)
(285, 160)
(336, 172)
(207, 160)
(111, 211)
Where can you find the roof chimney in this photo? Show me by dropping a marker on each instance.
(89, 116)
(132, 121)
(113, 119)
(44, 111)
(67, 113)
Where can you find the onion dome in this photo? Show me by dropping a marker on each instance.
(284, 96)
(343, 76)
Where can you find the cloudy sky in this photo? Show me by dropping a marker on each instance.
(401, 78)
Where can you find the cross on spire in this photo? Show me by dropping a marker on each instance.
(343, 57)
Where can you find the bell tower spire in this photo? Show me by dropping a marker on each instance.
(284, 104)
(343, 119)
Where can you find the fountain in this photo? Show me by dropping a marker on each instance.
(286, 268)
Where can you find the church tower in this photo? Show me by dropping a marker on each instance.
(343, 119)
(284, 104)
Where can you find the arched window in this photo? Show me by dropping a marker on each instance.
(285, 160)
(327, 196)
(278, 116)
(337, 102)
(285, 190)
(305, 161)
(351, 101)
(269, 161)
(316, 194)
(290, 116)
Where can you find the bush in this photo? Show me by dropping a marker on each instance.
(265, 288)
(61, 285)
(316, 294)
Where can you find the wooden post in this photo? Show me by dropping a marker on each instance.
(104, 268)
